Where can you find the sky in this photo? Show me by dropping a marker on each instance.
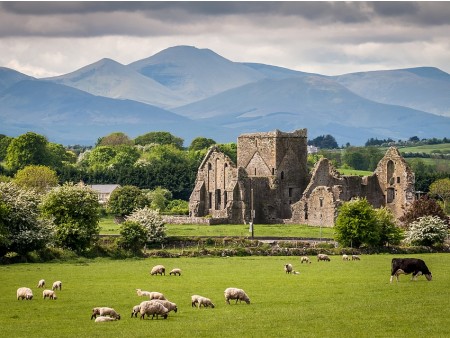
(43, 39)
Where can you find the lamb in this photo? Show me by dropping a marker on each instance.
(49, 293)
(288, 268)
(156, 295)
(103, 319)
(304, 259)
(238, 294)
(135, 311)
(158, 269)
(167, 304)
(57, 285)
(323, 257)
(175, 272)
(345, 257)
(41, 283)
(104, 311)
(151, 307)
(355, 258)
(206, 302)
(24, 293)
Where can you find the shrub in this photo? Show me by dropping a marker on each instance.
(151, 221)
(427, 230)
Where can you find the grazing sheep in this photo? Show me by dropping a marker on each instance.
(49, 293)
(24, 293)
(158, 269)
(57, 285)
(41, 283)
(141, 293)
(151, 307)
(104, 311)
(175, 272)
(194, 300)
(156, 295)
(103, 319)
(206, 302)
(238, 294)
(305, 259)
(288, 268)
(345, 257)
(135, 311)
(355, 258)
(167, 304)
(323, 257)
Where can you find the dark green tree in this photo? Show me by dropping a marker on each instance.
(423, 206)
(4, 143)
(124, 200)
(200, 143)
(324, 142)
(115, 139)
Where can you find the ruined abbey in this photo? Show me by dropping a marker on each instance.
(270, 183)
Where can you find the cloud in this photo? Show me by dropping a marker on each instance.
(333, 37)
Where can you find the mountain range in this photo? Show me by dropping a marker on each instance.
(193, 92)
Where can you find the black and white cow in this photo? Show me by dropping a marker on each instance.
(409, 265)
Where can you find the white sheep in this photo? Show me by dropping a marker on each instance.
(151, 307)
(175, 272)
(194, 300)
(156, 295)
(57, 285)
(206, 302)
(288, 268)
(49, 293)
(41, 283)
(141, 293)
(167, 304)
(103, 319)
(158, 269)
(304, 259)
(135, 311)
(235, 293)
(24, 293)
(355, 258)
(345, 257)
(323, 257)
(104, 311)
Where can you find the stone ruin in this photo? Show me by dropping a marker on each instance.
(271, 184)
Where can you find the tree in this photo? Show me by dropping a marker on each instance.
(441, 189)
(200, 143)
(124, 200)
(27, 149)
(159, 137)
(159, 198)
(390, 233)
(427, 230)
(75, 210)
(22, 229)
(4, 143)
(324, 141)
(150, 220)
(357, 224)
(115, 139)
(133, 236)
(423, 206)
(37, 177)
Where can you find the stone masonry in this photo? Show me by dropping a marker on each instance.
(271, 178)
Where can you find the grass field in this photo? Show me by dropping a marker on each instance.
(108, 227)
(427, 149)
(327, 299)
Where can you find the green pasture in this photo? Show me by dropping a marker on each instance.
(108, 227)
(354, 172)
(326, 299)
(427, 148)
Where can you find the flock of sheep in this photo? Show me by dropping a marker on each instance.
(27, 293)
(157, 305)
(289, 269)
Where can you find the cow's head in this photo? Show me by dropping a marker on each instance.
(428, 276)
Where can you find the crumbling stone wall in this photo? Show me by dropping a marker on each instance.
(271, 179)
